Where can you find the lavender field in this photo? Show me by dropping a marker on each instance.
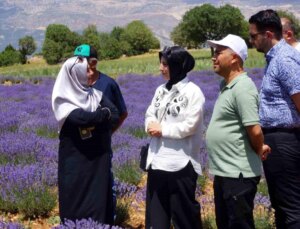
(29, 145)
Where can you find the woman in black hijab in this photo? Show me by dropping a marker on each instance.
(174, 120)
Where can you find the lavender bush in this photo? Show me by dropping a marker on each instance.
(84, 224)
(10, 225)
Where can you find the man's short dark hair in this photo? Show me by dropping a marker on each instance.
(267, 20)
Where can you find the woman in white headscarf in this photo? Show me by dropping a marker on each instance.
(85, 120)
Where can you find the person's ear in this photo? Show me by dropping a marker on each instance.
(93, 62)
(289, 34)
(235, 58)
(270, 34)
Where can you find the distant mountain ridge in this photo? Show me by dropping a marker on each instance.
(22, 17)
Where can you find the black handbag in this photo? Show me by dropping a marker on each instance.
(143, 157)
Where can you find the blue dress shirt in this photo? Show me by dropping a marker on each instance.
(281, 80)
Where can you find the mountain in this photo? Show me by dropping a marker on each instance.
(22, 17)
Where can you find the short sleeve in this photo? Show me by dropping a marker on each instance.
(246, 99)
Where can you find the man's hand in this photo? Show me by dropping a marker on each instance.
(264, 152)
(154, 129)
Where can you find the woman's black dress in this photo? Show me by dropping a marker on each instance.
(84, 178)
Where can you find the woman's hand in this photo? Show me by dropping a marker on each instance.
(154, 129)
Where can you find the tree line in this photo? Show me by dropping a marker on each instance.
(201, 23)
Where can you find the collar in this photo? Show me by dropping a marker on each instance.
(177, 87)
(233, 82)
(274, 50)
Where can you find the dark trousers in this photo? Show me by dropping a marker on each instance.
(234, 202)
(171, 196)
(282, 171)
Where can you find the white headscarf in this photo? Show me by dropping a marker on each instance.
(71, 90)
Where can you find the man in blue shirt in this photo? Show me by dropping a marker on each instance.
(279, 113)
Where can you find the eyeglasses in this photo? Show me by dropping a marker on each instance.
(254, 35)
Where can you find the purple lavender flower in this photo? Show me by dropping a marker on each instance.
(84, 224)
(10, 225)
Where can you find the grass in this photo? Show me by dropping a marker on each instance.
(142, 64)
(128, 173)
(262, 188)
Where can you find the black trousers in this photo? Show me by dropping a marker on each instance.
(282, 171)
(171, 196)
(234, 202)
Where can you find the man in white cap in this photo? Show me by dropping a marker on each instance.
(234, 137)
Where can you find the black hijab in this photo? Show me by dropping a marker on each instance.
(180, 62)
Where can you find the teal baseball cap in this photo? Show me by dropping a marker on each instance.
(86, 50)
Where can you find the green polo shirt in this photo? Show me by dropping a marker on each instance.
(230, 152)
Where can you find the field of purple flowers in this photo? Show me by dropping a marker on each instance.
(29, 145)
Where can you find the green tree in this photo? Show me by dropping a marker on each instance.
(52, 51)
(179, 38)
(9, 56)
(139, 37)
(117, 32)
(61, 39)
(207, 22)
(109, 47)
(27, 46)
(294, 21)
(91, 36)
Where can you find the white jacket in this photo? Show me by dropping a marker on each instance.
(182, 127)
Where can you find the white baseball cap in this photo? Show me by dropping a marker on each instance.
(234, 42)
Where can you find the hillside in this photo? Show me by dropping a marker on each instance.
(21, 17)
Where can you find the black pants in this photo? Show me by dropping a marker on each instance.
(171, 195)
(282, 171)
(234, 202)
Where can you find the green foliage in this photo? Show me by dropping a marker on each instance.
(207, 22)
(57, 33)
(122, 211)
(8, 206)
(139, 37)
(54, 220)
(52, 51)
(109, 47)
(209, 222)
(138, 132)
(180, 38)
(117, 32)
(17, 159)
(202, 181)
(262, 188)
(9, 56)
(27, 46)
(91, 36)
(37, 203)
(46, 132)
(59, 43)
(128, 173)
(31, 203)
(294, 21)
(263, 223)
